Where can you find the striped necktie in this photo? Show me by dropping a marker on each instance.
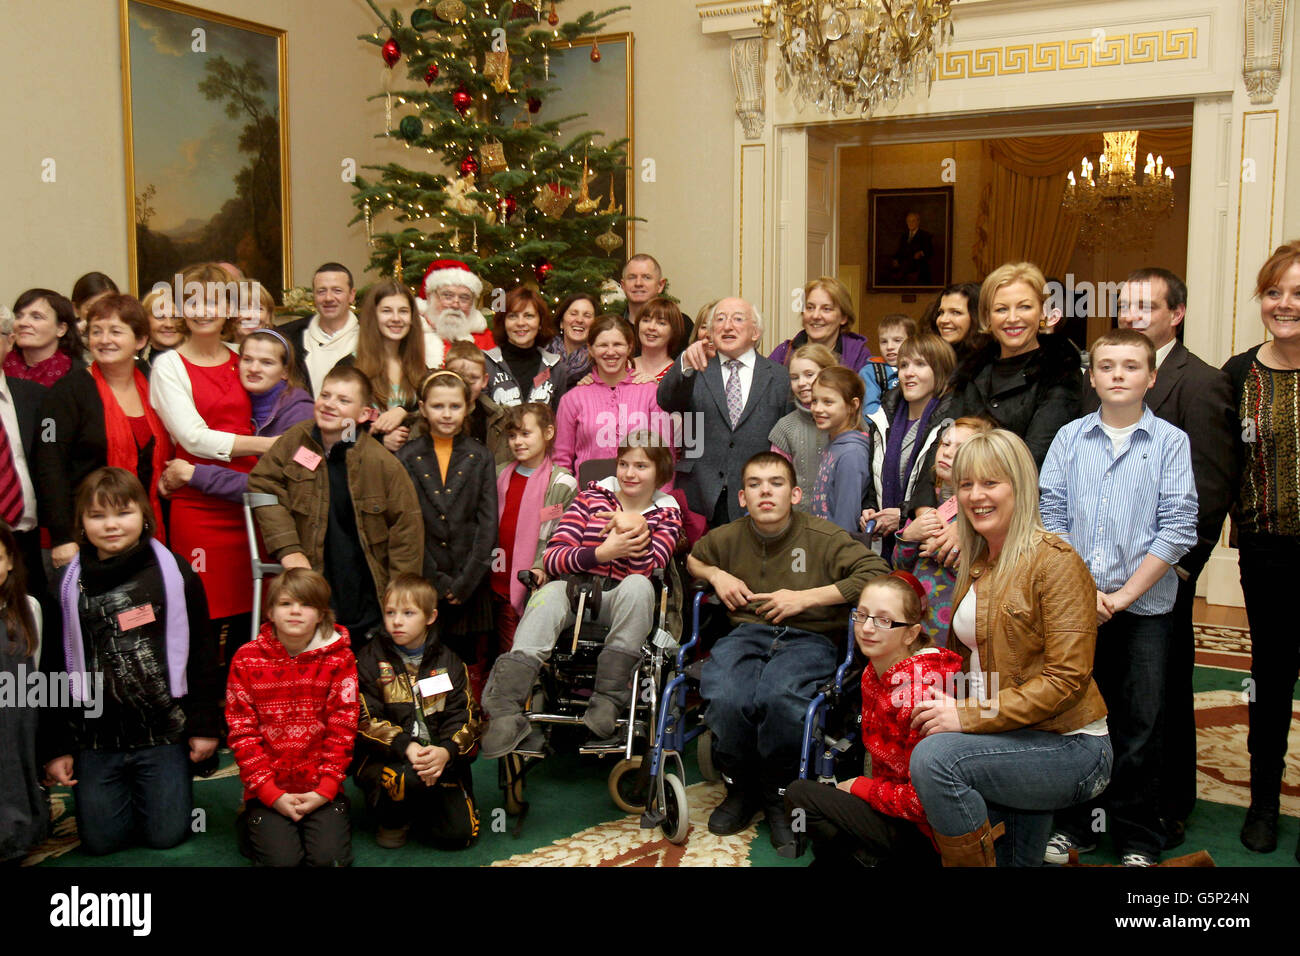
(734, 404)
(11, 488)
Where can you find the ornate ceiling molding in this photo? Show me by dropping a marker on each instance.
(1261, 66)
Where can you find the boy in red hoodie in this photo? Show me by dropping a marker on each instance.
(291, 705)
(879, 819)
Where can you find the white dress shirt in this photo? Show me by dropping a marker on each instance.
(747, 362)
(9, 418)
(1162, 353)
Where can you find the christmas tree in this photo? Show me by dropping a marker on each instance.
(516, 200)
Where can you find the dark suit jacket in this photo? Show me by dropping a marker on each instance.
(28, 397)
(910, 266)
(1197, 398)
(720, 451)
(293, 332)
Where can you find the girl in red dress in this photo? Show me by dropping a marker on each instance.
(197, 393)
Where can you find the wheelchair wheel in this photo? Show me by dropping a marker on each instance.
(514, 789)
(677, 815)
(704, 757)
(626, 788)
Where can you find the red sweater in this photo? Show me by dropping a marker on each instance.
(887, 729)
(292, 720)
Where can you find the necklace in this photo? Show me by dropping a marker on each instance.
(1281, 363)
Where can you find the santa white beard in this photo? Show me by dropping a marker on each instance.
(454, 325)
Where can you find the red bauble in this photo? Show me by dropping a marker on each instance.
(510, 205)
(554, 16)
(534, 104)
(461, 100)
(431, 74)
(542, 270)
(391, 52)
(595, 52)
(469, 165)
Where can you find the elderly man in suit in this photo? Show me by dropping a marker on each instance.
(738, 395)
(1197, 398)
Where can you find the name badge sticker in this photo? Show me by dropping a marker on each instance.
(543, 376)
(435, 684)
(307, 458)
(136, 617)
(948, 510)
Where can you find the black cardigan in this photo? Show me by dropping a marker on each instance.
(78, 445)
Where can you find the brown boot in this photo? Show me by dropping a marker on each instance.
(970, 849)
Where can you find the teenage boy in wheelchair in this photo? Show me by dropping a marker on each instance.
(789, 583)
(622, 535)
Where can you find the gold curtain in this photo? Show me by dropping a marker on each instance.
(1020, 212)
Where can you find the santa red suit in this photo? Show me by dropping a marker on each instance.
(444, 326)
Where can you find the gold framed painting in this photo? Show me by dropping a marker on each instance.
(207, 148)
(603, 91)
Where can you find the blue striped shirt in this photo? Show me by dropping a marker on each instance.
(1115, 511)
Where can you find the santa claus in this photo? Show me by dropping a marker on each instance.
(449, 309)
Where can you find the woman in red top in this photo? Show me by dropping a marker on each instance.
(46, 343)
(197, 393)
(879, 819)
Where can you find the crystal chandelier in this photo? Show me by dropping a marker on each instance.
(1116, 210)
(855, 55)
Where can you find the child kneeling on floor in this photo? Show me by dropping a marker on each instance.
(621, 529)
(291, 703)
(878, 819)
(418, 727)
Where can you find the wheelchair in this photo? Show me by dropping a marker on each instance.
(261, 569)
(564, 685)
(831, 729)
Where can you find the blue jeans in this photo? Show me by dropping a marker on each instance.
(1018, 778)
(134, 796)
(1132, 652)
(758, 682)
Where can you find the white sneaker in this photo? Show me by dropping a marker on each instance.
(1137, 859)
(1060, 845)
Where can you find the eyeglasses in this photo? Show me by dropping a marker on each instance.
(860, 619)
(463, 298)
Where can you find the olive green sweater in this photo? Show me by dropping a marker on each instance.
(810, 553)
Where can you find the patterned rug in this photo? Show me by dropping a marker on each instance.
(573, 823)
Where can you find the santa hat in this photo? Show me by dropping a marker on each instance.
(442, 272)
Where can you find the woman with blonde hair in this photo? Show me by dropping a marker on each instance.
(1028, 736)
(828, 319)
(1029, 384)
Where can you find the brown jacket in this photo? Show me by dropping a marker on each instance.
(1038, 634)
(383, 498)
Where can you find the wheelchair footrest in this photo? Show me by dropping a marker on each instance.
(650, 820)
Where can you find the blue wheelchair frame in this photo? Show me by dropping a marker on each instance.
(818, 753)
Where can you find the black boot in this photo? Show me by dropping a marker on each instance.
(1259, 832)
(741, 805)
(778, 820)
(503, 698)
(612, 693)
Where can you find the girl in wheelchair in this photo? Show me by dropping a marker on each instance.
(878, 819)
(621, 530)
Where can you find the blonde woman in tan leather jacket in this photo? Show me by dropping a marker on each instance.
(1026, 734)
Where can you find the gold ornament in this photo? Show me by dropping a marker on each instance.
(496, 67)
(449, 10)
(609, 240)
(474, 245)
(458, 198)
(553, 199)
(492, 158)
(585, 203)
(611, 209)
(397, 266)
(370, 236)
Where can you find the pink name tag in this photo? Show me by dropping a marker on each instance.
(551, 513)
(307, 458)
(135, 617)
(948, 510)
(543, 376)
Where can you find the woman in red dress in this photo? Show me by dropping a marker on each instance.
(197, 393)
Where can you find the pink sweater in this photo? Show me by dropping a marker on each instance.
(593, 419)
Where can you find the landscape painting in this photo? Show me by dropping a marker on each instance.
(206, 143)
